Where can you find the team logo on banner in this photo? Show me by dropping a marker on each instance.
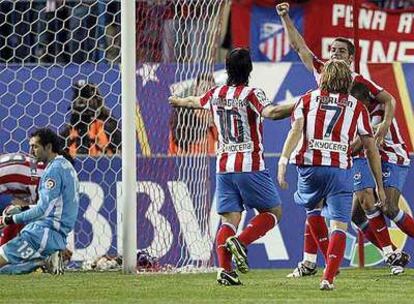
(274, 43)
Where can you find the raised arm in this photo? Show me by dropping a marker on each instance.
(296, 40)
(290, 144)
(186, 102)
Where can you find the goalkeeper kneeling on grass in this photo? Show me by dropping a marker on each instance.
(50, 221)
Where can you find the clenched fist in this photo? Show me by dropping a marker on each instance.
(282, 9)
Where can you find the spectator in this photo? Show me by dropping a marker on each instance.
(149, 22)
(91, 130)
(86, 27)
(113, 32)
(393, 4)
(50, 28)
(59, 31)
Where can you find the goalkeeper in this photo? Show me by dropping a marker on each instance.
(51, 220)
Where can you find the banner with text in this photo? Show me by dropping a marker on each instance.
(384, 36)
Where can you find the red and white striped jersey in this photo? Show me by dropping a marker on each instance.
(393, 149)
(331, 122)
(373, 88)
(236, 114)
(19, 176)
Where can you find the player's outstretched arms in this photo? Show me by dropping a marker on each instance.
(279, 111)
(186, 102)
(295, 38)
(374, 161)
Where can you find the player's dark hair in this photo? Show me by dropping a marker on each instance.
(47, 136)
(349, 44)
(238, 66)
(361, 92)
(336, 77)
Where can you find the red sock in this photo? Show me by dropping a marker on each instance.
(405, 223)
(257, 227)
(223, 255)
(309, 243)
(376, 222)
(336, 252)
(10, 232)
(320, 232)
(370, 235)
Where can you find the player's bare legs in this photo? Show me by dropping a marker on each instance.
(360, 220)
(375, 219)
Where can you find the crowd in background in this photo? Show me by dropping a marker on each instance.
(59, 31)
(63, 31)
(393, 4)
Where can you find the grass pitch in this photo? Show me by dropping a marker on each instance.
(372, 285)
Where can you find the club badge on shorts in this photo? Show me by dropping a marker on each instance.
(50, 183)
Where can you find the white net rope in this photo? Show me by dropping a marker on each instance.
(59, 69)
(180, 236)
(197, 25)
(59, 64)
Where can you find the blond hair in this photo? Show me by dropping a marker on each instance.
(336, 77)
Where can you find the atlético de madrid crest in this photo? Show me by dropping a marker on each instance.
(273, 41)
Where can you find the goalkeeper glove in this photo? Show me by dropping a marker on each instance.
(6, 220)
(14, 209)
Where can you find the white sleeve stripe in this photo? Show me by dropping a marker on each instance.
(51, 205)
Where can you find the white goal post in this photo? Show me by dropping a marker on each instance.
(129, 163)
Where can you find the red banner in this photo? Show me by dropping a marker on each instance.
(384, 35)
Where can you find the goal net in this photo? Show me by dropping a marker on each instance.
(188, 49)
(60, 68)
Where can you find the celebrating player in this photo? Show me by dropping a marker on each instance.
(328, 119)
(242, 179)
(51, 219)
(315, 228)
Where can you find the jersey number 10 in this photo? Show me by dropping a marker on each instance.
(231, 126)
